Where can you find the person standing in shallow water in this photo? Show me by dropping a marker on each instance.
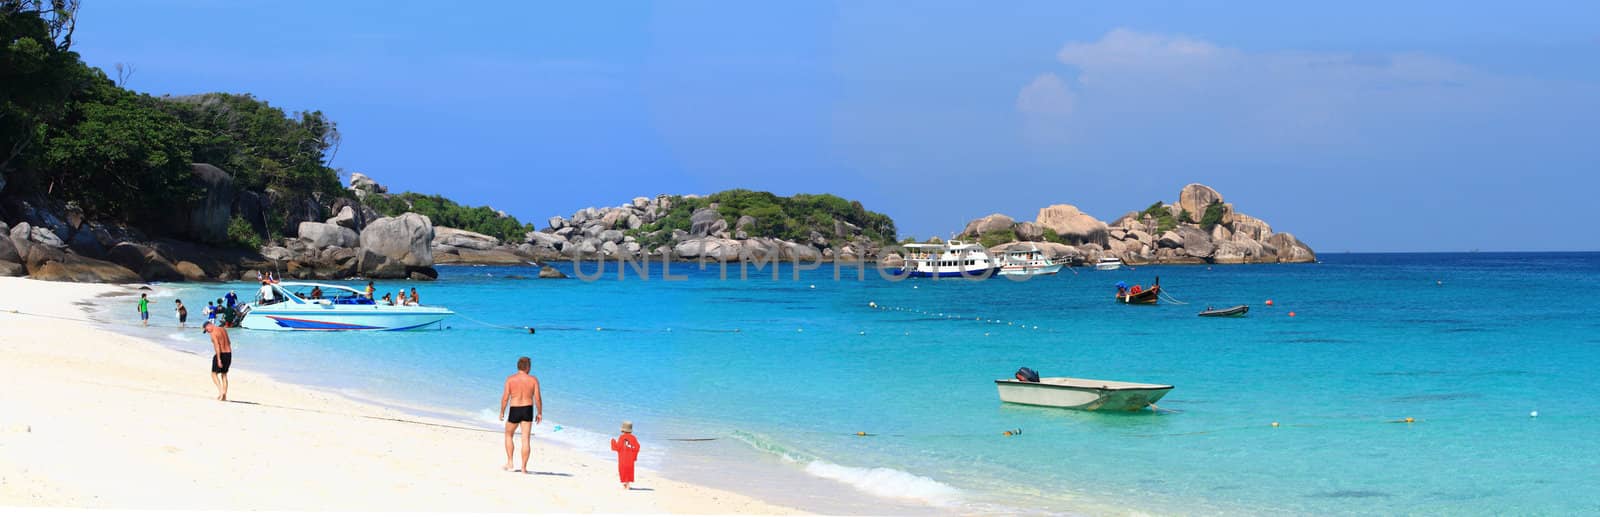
(222, 359)
(183, 314)
(144, 310)
(526, 408)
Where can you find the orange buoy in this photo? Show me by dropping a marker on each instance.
(1269, 303)
(1291, 314)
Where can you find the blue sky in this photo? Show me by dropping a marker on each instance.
(1362, 126)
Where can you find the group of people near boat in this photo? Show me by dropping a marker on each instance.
(398, 298)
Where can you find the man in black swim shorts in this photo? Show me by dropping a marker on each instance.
(527, 408)
(223, 358)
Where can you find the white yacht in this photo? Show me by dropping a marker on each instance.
(1108, 264)
(1027, 260)
(947, 260)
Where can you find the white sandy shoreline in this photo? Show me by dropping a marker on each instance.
(94, 419)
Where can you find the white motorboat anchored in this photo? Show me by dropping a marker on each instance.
(1083, 394)
(293, 306)
(1027, 260)
(947, 260)
(1108, 264)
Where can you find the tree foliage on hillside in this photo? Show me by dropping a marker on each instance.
(69, 132)
(117, 156)
(444, 212)
(1162, 216)
(39, 73)
(260, 145)
(1213, 215)
(791, 218)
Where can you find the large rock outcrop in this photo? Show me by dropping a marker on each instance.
(324, 235)
(1072, 225)
(393, 247)
(707, 221)
(362, 185)
(988, 224)
(8, 250)
(446, 236)
(209, 217)
(73, 268)
(1194, 198)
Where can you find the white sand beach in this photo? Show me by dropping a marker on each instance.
(90, 418)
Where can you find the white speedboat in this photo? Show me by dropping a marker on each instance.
(292, 306)
(1108, 264)
(947, 260)
(1084, 394)
(1027, 260)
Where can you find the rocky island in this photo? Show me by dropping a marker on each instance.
(1200, 228)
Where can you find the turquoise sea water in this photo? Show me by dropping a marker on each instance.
(783, 374)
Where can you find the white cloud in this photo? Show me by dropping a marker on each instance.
(1198, 91)
(1046, 95)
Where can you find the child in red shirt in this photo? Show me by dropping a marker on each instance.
(627, 448)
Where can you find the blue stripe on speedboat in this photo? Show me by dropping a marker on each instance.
(296, 323)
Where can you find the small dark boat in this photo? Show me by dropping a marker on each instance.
(1230, 312)
(1149, 296)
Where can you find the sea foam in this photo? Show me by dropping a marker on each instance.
(878, 481)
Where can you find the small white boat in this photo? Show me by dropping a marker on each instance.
(1108, 264)
(951, 259)
(1027, 260)
(292, 307)
(1084, 394)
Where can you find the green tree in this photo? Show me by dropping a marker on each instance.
(38, 75)
(1213, 215)
(118, 157)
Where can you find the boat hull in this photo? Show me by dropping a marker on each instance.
(973, 274)
(1150, 297)
(1030, 270)
(320, 318)
(1237, 311)
(1081, 394)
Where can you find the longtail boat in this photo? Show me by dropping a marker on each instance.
(1149, 296)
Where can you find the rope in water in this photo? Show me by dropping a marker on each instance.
(956, 317)
(1163, 294)
(487, 324)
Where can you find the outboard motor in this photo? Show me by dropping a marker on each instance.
(1028, 374)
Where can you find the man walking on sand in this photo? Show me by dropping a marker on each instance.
(223, 358)
(527, 408)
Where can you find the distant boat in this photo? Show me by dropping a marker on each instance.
(1149, 296)
(1230, 312)
(948, 260)
(1082, 394)
(1027, 261)
(1108, 264)
(340, 308)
